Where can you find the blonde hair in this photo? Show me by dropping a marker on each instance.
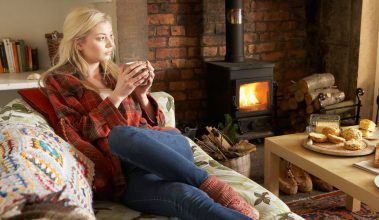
(77, 25)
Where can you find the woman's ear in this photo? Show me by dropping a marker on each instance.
(78, 44)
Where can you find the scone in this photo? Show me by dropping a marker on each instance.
(366, 124)
(331, 130)
(335, 139)
(351, 133)
(317, 137)
(353, 145)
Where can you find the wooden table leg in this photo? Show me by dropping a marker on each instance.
(352, 204)
(271, 171)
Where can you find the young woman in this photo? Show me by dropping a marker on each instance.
(106, 112)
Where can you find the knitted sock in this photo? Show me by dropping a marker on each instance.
(222, 193)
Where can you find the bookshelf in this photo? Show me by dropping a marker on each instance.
(30, 20)
(14, 81)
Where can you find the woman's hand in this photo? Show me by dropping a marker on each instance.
(144, 88)
(128, 80)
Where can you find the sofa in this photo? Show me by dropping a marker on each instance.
(59, 177)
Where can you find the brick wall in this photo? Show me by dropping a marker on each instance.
(174, 49)
(184, 33)
(275, 30)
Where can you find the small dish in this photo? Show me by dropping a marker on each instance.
(322, 120)
(376, 181)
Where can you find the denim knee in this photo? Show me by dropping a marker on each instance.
(115, 137)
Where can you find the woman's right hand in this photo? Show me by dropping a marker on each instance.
(129, 78)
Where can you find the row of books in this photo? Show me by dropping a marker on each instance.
(16, 56)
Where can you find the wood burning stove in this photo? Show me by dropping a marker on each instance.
(246, 92)
(242, 88)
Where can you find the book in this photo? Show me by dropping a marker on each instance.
(3, 57)
(29, 56)
(23, 55)
(35, 65)
(1, 67)
(19, 56)
(367, 165)
(15, 56)
(9, 55)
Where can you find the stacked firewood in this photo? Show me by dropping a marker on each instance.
(309, 95)
(220, 147)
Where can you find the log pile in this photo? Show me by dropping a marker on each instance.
(221, 148)
(311, 94)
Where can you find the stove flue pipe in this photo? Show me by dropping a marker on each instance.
(234, 31)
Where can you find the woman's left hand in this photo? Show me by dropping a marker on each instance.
(143, 89)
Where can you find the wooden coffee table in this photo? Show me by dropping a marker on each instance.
(338, 171)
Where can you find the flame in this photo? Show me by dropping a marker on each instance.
(254, 96)
(247, 95)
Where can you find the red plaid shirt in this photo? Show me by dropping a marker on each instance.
(85, 120)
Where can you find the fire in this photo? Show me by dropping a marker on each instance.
(254, 96)
(247, 95)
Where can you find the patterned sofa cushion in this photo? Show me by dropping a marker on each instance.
(166, 103)
(36, 162)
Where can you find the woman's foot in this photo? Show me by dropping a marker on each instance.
(222, 193)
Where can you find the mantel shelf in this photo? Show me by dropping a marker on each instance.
(12, 81)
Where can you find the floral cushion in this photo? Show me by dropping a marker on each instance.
(35, 161)
(166, 104)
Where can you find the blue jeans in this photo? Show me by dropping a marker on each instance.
(162, 177)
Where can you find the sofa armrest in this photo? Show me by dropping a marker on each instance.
(166, 104)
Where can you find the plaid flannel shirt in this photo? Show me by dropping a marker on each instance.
(85, 121)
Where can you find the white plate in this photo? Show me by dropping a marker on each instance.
(376, 181)
(374, 135)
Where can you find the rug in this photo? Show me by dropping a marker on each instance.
(329, 206)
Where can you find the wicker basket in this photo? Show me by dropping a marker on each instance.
(239, 164)
(53, 39)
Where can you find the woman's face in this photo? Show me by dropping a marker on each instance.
(98, 45)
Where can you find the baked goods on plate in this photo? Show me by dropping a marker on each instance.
(366, 124)
(318, 137)
(351, 133)
(335, 139)
(354, 145)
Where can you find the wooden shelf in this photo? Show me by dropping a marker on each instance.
(12, 81)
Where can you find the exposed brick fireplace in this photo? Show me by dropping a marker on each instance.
(299, 36)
